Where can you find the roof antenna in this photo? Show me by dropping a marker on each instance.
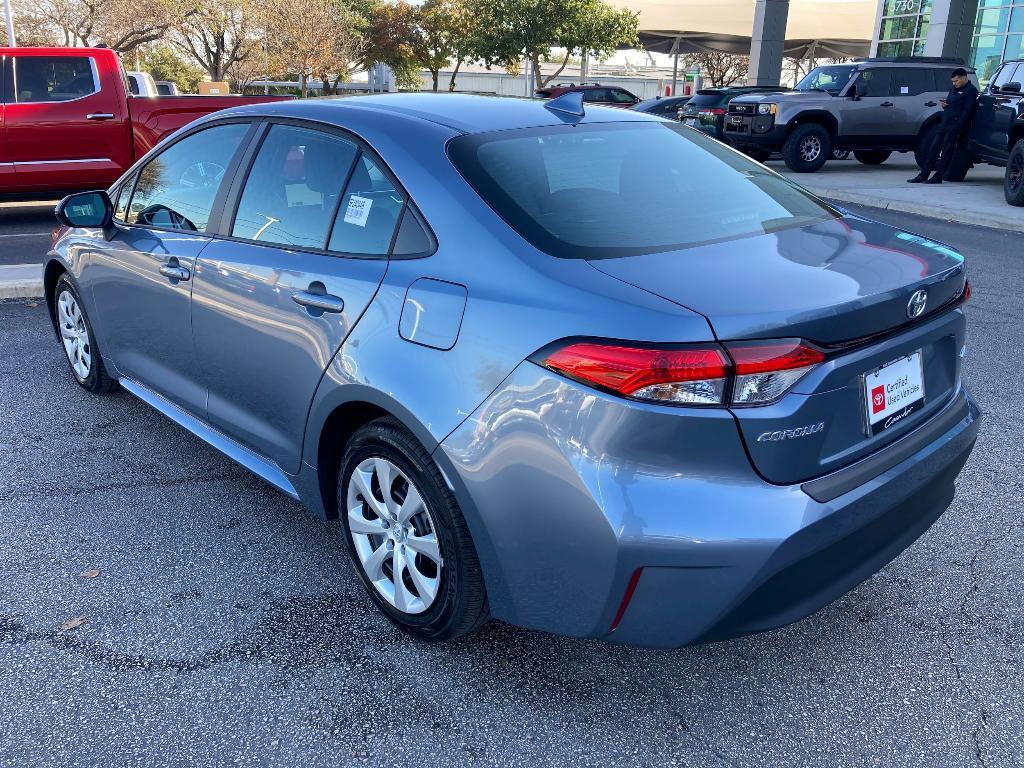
(570, 103)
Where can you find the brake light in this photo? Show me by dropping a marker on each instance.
(685, 376)
(711, 112)
(743, 373)
(766, 371)
(967, 291)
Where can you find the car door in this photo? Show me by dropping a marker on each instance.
(997, 111)
(871, 117)
(916, 100)
(141, 278)
(6, 161)
(63, 130)
(301, 257)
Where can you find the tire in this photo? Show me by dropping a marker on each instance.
(1013, 182)
(871, 156)
(961, 163)
(441, 594)
(807, 148)
(761, 155)
(78, 340)
(924, 145)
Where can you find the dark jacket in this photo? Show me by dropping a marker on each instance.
(959, 108)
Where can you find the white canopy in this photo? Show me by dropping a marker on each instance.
(816, 27)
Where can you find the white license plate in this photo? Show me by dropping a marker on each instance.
(736, 120)
(690, 121)
(893, 393)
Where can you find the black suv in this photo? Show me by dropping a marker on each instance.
(873, 107)
(707, 109)
(997, 134)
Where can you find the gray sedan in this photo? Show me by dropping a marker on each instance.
(587, 372)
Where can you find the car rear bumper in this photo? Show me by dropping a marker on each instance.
(595, 517)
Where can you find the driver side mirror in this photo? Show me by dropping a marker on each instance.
(92, 210)
(1013, 87)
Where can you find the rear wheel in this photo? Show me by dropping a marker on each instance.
(807, 148)
(406, 535)
(924, 145)
(1013, 183)
(871, 156)
(78, 339)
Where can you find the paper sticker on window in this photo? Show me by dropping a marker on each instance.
(358, 210)
(904, 90)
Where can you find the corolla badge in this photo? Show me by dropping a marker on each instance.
(789, 434)
(917, 303)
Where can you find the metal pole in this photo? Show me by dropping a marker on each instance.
(10, 23)
(675, 65)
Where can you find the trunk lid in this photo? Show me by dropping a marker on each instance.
(844, 285)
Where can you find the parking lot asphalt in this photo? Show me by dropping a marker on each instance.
(25, 231)
(226, 625)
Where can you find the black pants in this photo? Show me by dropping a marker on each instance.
(941, 152)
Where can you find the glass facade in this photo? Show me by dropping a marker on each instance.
(904, 27)
(998, 35)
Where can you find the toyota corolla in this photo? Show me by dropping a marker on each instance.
(589, 372)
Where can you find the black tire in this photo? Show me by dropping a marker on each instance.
(460, 605)
(761, 155)
(923, 149)
(97, 380)
(871, 156)
(807, 149)
(1013, 182)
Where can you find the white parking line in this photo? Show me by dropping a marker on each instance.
(26, 234)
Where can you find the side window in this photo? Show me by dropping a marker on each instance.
(912, 82)
(177, 188)
(293, 187)
(368, 212)
(620, 96)
(1005, 75)
(875, 83)
(596, 94)
(943, 79)
(53, 78)
(121, 201)
(412, 238)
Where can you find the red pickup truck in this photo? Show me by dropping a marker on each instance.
(67, 122)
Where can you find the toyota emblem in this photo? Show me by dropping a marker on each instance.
(916, 305)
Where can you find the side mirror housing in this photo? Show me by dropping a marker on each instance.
(91, 210)
(1013, 87)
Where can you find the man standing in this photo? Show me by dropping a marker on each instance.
(957, 112)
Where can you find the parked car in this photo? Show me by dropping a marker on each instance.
(69, 123)
(166, 88)
(684, 401)
(141, 84)
(997, 132)
(873, 107)
(663, 106)
(593, 93)
(707, 109)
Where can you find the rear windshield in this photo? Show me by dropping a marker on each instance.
(707, 100)
(605, 190)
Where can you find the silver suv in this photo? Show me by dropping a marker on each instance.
(872, 107)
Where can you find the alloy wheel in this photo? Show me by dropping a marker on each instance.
(810, 149)
(1015, 173)
(394, 535)
(74, 334)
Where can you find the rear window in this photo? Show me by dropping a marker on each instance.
(608, 190)
(707, 100)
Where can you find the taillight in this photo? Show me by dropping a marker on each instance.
(711, 112)
(766, 371)
(966, 296)
(743, 373)
(684, 376)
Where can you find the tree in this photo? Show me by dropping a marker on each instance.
(119, 24)
(508, 30)
(719, 68)
(446, 39)
(164, 64)
(394, 37)
(217, 34)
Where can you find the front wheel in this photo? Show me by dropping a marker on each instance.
(1013, 182)
(406, 535)
(807, 148)
(871, 156)
(78, 338)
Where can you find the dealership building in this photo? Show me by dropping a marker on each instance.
(981, 32)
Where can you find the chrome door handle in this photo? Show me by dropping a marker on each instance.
(322, 301)
(174, 273)
(931, 103)
(100, 116)
(887, 104)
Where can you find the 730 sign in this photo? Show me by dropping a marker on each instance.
(902, 7)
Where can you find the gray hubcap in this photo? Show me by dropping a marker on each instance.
(810, 149)
(394, 535)
(74, 334)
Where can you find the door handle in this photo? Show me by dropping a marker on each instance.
(931, 103)
(100, 116)
(325, 302)
(174, 272)
(887, 104)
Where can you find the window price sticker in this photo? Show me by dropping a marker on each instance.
(358, 210)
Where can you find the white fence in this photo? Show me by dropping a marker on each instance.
(504, 84)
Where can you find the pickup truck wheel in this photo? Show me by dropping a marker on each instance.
(1013, 185)
(925, 144)
(871, 156)
(807, 148)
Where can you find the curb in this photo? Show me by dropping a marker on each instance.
(21, 281)
(928, 211)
